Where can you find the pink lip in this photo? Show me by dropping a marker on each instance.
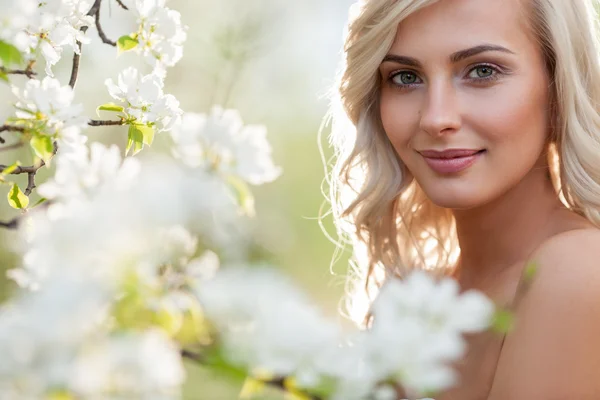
(450, 161)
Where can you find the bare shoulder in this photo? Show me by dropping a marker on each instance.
(554, 350)
(574, 245)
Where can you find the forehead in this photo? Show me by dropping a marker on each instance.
(456, 24)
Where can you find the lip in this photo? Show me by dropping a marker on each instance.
(452, 160)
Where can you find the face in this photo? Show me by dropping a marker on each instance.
(466, 74)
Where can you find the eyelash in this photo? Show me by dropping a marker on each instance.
(493, 77)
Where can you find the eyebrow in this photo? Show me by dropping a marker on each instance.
(454, 57)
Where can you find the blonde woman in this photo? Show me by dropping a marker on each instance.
(472, 148)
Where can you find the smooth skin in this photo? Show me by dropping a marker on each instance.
(469, 74)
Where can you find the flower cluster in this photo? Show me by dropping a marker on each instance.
(220, 141)
(145, 99)
(56, 24)
(46, 107)
(14, 20)
(416, 334)
(82, 173)
(161, 34)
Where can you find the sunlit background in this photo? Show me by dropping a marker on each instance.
(273, 60)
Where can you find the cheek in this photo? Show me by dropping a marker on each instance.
(400, 120)
(515, 122)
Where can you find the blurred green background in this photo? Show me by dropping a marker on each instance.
(273, 60)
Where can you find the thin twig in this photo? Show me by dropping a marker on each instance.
(30, 171)
(77, 54)
(21, 169)
(12, 146)
(30, 183)
(12, 128)
(101, 33)
(12, 224)
(192, 356)
(75, 67)
(95, 122)
(28, 71)
(123, 6)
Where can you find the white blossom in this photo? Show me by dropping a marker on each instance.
(56, 24)
(123, 222)
(145, 98)
(15, 18)
(42, 331)
(145, 365)
(161, 34)
(81, 175)
(418, 330)
(49, 106)
(266, 322)
(221, 141)
(438, 304)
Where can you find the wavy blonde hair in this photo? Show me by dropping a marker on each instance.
(377, 204)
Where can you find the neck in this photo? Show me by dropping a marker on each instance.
(505, 231)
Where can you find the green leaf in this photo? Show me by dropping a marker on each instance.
(242, 193)
(503, 321)
(16, 198)
(109, 107)
(9, 54)
(43, 147)
(252, 388)
(147, 133)
(127, 42)
(529, 272)
(40, 201)
(293, 391)
(139, 135)
(135, 138)
(194, 327)
(11, 168)
(3, 76)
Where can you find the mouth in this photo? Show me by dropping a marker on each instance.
(451, 153)
(451, 161)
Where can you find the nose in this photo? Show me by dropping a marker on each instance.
(440, 112)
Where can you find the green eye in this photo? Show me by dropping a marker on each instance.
(483, 72)
(405, 78)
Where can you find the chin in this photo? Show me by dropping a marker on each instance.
(455, 199)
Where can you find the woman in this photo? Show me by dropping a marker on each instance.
(477, 150)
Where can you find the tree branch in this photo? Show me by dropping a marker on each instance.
(95, 122)
(123, 6)
(28, 71)
(278, 383)
(11, 147)
(12, 224)
(22, 170)
(11, 128)
(30, 183)
(77, 54)
(75, 67)
(101, 33)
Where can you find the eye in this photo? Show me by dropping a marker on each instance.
(405, 78)
(482, 72)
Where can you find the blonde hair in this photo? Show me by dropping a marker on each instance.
(377, 204)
